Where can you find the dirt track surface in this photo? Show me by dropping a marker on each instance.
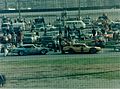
(62, 71)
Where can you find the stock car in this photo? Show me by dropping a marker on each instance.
(29, 49)
(80, 48)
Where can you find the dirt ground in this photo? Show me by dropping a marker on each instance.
(66, 73)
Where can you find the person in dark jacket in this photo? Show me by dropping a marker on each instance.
(65, 32)
(94, 32)
(2, 80)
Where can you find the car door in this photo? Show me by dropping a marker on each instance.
(28, 49)
(84, 48)
(34, 50)
(81, 49)
(76, 48)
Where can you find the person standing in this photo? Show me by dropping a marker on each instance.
(60, 30)
(60, 41)
(45, 31)
(65, 32)
(105, 17)
(114, 36)
(103, 31)
(20, 37)
(94, 32)
(117, 37)
(32, 27)
(5, 50)
(1, 48)
(79, 34)
(9, 38)
(14, 39)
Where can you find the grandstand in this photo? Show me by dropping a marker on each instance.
(46, 4)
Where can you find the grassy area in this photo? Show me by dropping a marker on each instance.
(18, 71)
(74, 61)
(58, 64)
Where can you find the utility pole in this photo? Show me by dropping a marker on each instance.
(6, 5)
(18, 1)
(64, 13)
(79, 9)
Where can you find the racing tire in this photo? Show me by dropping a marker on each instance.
(63, 52)
(43, 51)
(21, 53)
(71, 51)
(93, 50)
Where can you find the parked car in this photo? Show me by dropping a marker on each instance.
(39, 27)
(5, 27)
(27, 49)
(115, 26)
(89, 34)
(51, 27)
(47, 41)
(29, 38)
(39, 24)
(77, 23)
(86, 35)
(18, 25)
(80, 48)
(88, 22)
(42, 27)
(117, 47)
(99, 41)
(52, 33)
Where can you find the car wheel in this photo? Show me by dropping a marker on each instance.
(63, 52)
(71, 51)
(21, 53)
(2, 50)
(93, 50)
(115, 49)
(43, 51)
(119, 50)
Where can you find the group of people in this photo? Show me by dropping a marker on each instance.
(12, 39)
(10, 36)
(66, 34)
